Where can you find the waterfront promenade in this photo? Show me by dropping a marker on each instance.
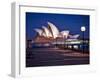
(54, 56)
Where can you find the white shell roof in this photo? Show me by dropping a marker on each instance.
(39, 31)
(47, 31)
(54, 30)
(74, 36)
(65, 33)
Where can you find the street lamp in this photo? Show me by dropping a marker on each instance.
(83, 29)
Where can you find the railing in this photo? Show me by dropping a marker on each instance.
(78, 45)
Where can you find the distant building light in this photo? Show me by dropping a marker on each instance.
(69, 46)
(46, 44)
(75, 47)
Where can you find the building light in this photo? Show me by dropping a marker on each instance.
(75, 47)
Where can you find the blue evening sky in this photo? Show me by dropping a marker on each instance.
(71, 22)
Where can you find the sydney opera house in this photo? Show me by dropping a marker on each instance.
(49, 35)
(50, 47)
(56, 39)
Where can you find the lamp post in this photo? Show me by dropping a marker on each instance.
(83, 29)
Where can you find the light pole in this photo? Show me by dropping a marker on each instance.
(83, 29)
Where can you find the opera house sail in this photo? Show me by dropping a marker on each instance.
(51, 34)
